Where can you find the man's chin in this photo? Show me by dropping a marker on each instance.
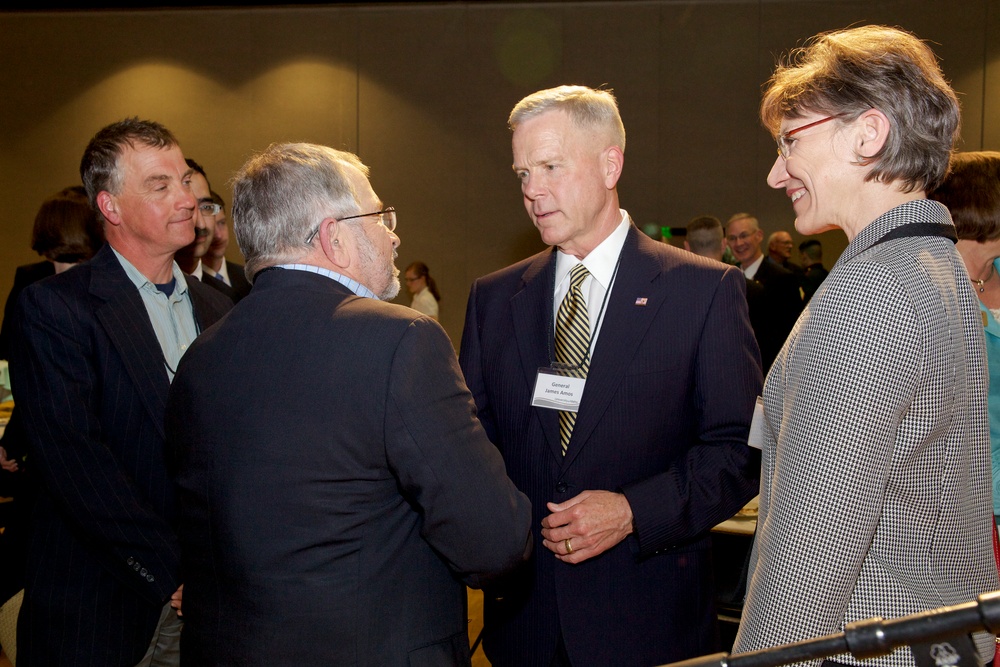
(391, 291)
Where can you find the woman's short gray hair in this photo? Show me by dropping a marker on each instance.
(847, 72)
(588, 108)
(280, 196)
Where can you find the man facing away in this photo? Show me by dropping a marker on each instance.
(656, 372)
(95, 352)
(335, 498)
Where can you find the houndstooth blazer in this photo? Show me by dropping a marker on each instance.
(875, 480)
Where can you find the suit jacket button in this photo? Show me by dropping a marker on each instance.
(561, 487)
(150, 578)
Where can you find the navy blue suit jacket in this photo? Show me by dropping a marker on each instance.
(664, 419)
(91, 388)
(333, 496)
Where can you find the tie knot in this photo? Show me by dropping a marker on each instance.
(577, 275)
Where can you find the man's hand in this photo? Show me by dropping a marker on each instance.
(10, 465)
(175, 600)
(586, 525)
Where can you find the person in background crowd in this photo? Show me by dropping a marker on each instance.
(971, 191)
(625, 482)
(423, 288)
(705, 237)
(779, 249)
(811, 253)
(778, 302)
(875, 480)
(93, 355)
(66, 231)
(214, 263)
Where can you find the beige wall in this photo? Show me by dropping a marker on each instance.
(422, 94)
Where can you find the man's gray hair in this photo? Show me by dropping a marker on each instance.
(588, 108)
(281, 195)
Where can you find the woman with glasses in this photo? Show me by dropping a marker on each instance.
(875, 479)
(423, 288)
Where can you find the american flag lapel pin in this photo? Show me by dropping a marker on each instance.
(641, 301)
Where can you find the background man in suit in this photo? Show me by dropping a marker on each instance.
(348, 438)
(190, 257)
(811, 252)
(779, 249)
(623, 498)
(780, 302)
(94, 353)
(705, 237)
(214, 263)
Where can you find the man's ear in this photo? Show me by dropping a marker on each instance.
(107, 204)
(332, 238)
(873, 132)
(614, 161)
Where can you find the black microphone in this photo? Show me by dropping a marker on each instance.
(948, 626)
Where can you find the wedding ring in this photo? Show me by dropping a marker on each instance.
(569, 545)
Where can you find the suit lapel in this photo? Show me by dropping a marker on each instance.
(624, 327)
(531, 311)
(126, 323)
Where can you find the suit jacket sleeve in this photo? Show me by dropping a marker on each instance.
(57, 381)
(719, 473)
(473, 515)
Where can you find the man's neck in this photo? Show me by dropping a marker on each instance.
(157, 269)
(212, 262)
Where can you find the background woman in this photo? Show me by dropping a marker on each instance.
(875, 479)
(972, 194)
(424, 290)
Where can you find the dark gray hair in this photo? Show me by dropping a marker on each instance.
(99, 168)
(588, 108)
(847, 72)
(280, 196)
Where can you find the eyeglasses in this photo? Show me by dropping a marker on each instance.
(784, 148)
(209, 208)
(733, 238)
(387, 217)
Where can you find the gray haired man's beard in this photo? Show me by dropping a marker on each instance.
(389, 273)
(392, 290)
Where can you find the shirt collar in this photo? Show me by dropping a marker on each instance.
(751, 269)
(601, 261)
(143, 283)
(349, 283)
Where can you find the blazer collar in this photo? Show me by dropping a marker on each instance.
(125, 321)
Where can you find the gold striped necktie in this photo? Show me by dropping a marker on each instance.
(573, 341)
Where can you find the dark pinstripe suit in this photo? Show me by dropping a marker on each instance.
(91, 387)
(664, 419)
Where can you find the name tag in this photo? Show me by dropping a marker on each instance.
(756, 439)
(556, 391)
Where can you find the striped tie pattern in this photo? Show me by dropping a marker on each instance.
(573, 341)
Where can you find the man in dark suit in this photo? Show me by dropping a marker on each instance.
(214, 262)
(778, 305)
(811, 252)
(335, 495)
(93, 356)
(623, 496)
(191, 257)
